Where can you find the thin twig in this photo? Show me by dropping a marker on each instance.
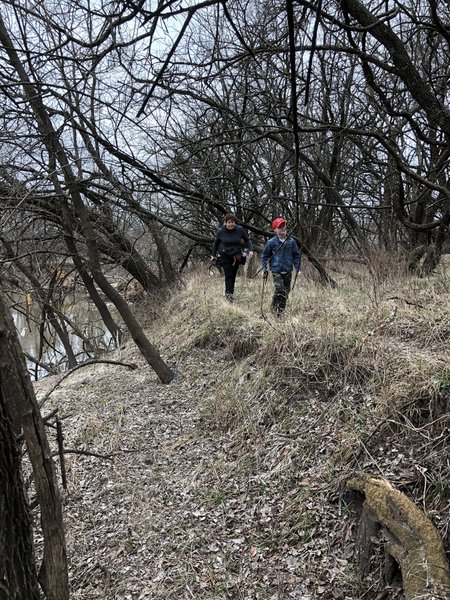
(87, 363)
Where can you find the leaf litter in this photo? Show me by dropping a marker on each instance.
(170, 515)
(202, 497)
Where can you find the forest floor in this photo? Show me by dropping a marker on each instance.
(230, 481)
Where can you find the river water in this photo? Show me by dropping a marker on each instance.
(85, 317)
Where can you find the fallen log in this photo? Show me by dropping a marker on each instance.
(412, 540)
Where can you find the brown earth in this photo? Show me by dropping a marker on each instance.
(230, 482)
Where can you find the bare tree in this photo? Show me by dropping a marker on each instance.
(332, 114)
(19, 411)
(56, 150)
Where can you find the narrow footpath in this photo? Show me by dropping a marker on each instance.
(165, 510)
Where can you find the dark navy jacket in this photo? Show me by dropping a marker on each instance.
(229, 241)
(281, 256)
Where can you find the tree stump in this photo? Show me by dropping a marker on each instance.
(411, 539)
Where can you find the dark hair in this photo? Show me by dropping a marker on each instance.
(229, 217)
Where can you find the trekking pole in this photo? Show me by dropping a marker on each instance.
(265, 276)
(295, 280)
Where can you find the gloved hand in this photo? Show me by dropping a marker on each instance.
(265, 275)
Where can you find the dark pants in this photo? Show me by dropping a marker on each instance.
(230, 268)
(282, 283)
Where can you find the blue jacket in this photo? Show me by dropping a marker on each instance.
(281, 256)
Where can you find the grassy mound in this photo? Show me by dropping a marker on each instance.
(354, 379)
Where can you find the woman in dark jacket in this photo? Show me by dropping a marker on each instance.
(229, 241)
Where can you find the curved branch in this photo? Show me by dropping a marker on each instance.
(412, 539)
(87, 363)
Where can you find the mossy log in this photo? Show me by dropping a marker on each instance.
(411, 539)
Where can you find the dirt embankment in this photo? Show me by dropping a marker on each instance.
(231, 482)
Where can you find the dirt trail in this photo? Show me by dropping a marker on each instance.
(169, 515)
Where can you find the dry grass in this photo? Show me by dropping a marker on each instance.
(359, 373)
(230, 483)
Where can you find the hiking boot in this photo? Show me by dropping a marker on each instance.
(277, 310)
(229, 297)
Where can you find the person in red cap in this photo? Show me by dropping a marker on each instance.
(229, 243)
(281, 256)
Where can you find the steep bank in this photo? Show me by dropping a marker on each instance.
(230, 483)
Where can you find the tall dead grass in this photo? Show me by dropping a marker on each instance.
(365, 364)
(354, 379)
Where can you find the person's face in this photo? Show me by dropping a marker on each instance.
(230, 224)
(281, 230)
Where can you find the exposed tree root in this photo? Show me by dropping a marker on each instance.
(411, 539)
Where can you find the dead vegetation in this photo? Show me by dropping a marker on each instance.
(231, 483)
(410, 538)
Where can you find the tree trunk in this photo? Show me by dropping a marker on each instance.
(389, 200)
(22, 401)
(117, 246)
(412, 539)
(103, 310)
(18, 578)
(40, 292)
(150, 353)
(169, 272)
(434, 253)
